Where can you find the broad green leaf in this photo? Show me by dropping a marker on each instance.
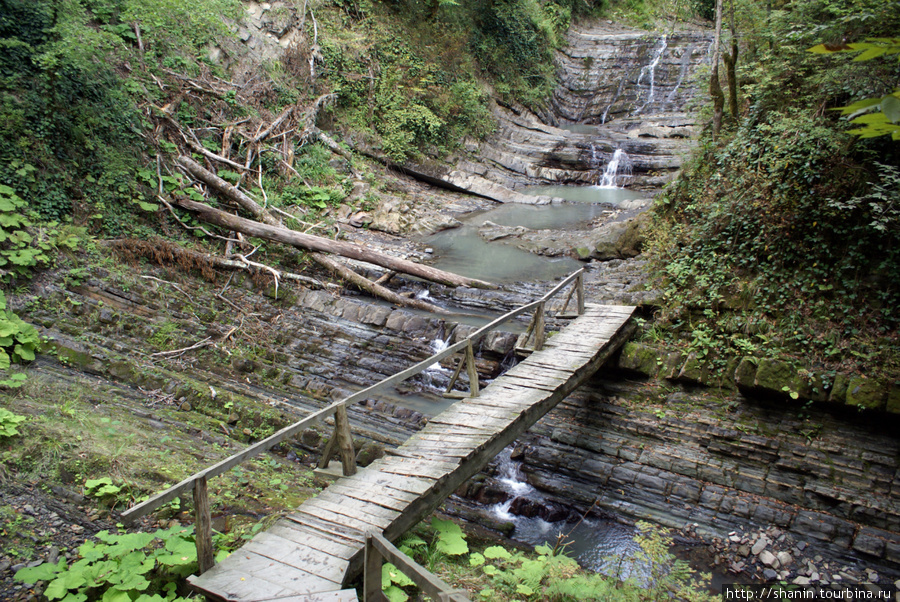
(494, 552)
(452, 544)
(544, 550)
(395, 594)
(486, 594)
(73, 597)
(42, 572)
(90, 551)
(148, 206)
(394, 575)
(2, 301)
(523, 589)
(476, 559)
(25, 353)
(116, 595)
(490, 569)
(890, 106)
(4, 360)
(413, 541)
(870, 54)
(66, 580)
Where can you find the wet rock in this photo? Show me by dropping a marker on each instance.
(369, 452)
(770, 575)
(866, 393)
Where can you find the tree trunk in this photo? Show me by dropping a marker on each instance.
(730, 60)
(317, 243)
(370, 287)
(715, 87)
(214, 181)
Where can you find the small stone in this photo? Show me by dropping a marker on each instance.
(784, 558)
(53, 555)
(18, 567)
(836, 577)
(735, 538)
(744, 550)
(185, 406)
(247, 432)
(801, 581)
(76, 528)
(801, 545)
(28, 509)
(769, 559)
(759, 546)
(4, 564)
(770, 575)
(815, 576)
(736, 567)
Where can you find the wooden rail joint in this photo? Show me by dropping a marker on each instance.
(378, 549)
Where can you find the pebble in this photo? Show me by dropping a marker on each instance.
(784, 558)
(770, 575)
(768, 559)
(4, 564)
(759, 546)
(801, 581)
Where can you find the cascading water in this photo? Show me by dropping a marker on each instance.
(598, 545)
(649, 71)
(618, 167)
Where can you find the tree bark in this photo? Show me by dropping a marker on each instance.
(370, 287)
(211, 179)
(731, 67)
(317, 243)
(715, 87)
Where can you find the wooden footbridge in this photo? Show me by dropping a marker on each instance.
(317, 551)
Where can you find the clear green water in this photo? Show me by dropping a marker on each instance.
(463, 251)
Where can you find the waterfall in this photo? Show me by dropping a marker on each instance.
(685, 65)
(649, 71)
(613, 171)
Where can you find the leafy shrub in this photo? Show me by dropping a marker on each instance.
(18, 343)
(121, 567)
(9, 423)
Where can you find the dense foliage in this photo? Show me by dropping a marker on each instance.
(783, 236)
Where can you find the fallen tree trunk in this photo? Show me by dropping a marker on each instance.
(370, 287)
(211, 179)
(324, 245)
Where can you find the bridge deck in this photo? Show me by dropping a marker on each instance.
(315, 552)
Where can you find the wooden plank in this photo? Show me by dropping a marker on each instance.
(344, 595)
(203, 527)
(327, 512)
(256, 577)
(326, 525)
(357, 507)
(382, 497)
(373, 477)
(323, 542)
(298, 555)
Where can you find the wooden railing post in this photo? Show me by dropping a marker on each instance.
(203, 526)
(345, 440)
(372, 572)
(539, 327)
(471, 370)
(579, 294)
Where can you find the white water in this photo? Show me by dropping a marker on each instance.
(649, 71)
(437, 345)
(612, 171)
(598, 545)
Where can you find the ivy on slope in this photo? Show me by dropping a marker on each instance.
(783, 236)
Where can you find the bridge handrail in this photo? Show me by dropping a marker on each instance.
(164, 497)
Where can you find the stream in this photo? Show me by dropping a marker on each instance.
(463, 251)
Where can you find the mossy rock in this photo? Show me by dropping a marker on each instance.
(893, 399)
(866, 393)
(745, 373)
(640, 358)
(839, 389)
(775, 375)
(693, 371)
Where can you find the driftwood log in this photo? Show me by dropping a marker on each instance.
(324, 245)
(372, 288)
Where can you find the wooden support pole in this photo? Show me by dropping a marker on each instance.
(203, 526)
(372, 574)
(345, 440)
(328, 452)
(579, 283)
(539, 327)
(471, 371)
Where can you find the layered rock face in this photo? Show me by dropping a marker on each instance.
(683, 457)
(619, 89)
